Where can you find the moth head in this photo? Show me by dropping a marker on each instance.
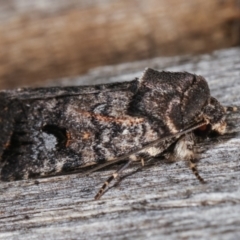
(214, 114)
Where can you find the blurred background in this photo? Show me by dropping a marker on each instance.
(47, 39)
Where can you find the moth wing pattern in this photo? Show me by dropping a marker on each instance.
(55, 130)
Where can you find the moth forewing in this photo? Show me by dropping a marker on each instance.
(56, 130)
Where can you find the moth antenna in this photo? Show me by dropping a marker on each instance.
(193, 167)
(231, 109)
(116, 174)
(112, 177)
(103, 165)
(124, 157)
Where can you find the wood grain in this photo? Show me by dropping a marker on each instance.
(51, 39)
(160, 200)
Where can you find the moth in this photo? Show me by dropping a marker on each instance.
(48, 131)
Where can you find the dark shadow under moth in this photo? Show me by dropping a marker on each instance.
(48, 131)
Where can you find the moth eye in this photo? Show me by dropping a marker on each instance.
(54, 136)
(203, 130)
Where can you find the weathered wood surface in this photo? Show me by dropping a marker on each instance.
(161, 200)
(47, 39)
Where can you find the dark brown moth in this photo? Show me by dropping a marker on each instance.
(47, 131)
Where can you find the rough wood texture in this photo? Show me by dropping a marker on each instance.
(43, 39)
(161, 200)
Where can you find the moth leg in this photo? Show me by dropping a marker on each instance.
(112, 177)
(193, 167)
(184, 150)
